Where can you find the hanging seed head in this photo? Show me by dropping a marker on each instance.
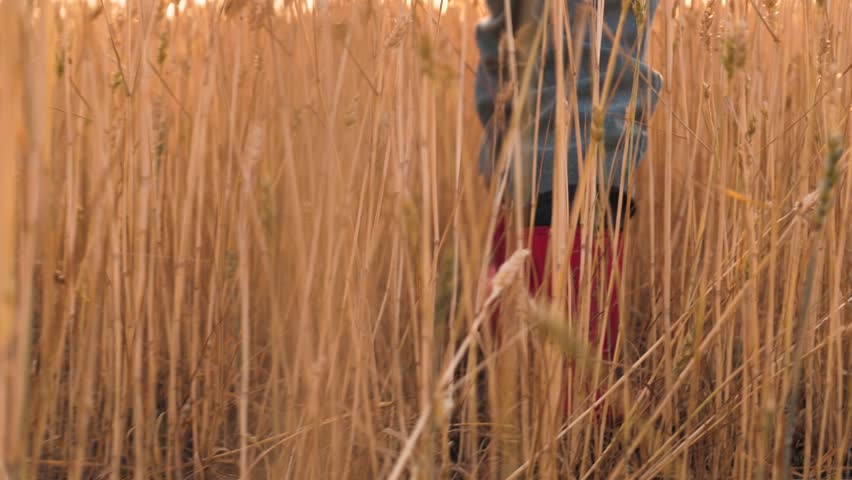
(551, 319)
(708, 20)
(807, 202)
(400, 28)
(509, 272)
(597, 133)
(162, 138)
(752, 128)
(257, 60)
(771, 7)
(825, 57)
(60, 62)
(734, 56)
(640, 11)
(834, 152)
(163, 48)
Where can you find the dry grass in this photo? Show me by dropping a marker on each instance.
(245, 243)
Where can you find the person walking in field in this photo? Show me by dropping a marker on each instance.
(620, 133)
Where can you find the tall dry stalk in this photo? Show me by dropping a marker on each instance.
(12, 144)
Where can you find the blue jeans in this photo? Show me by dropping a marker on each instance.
(493, 75)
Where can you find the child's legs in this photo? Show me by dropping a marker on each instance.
(601, 291)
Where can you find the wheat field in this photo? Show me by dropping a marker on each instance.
(250, 240)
